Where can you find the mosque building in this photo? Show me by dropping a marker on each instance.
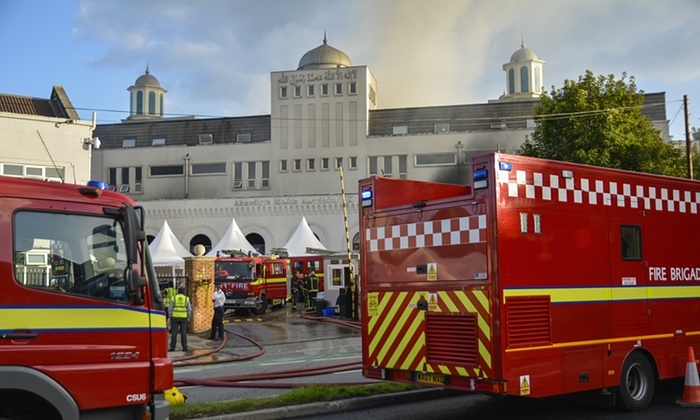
(267, 172)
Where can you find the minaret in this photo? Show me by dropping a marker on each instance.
(147, 98)
(524, 75)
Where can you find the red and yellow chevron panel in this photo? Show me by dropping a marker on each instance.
(458, 342)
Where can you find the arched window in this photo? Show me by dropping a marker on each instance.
(538, 80)
(511, 81)
(356, 242)
(161, 105)
(151, 103)
(257, 241)
(200, 240)
(524, 82)
(139, 102)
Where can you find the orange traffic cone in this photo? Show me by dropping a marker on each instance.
(691, 391)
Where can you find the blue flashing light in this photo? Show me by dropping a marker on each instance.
(98, 184)
(481, 174)
(505, 166)
(366, 194)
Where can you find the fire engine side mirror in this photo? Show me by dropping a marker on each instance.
(134, 283)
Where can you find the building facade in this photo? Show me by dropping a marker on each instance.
(45, 138)
(266, 172)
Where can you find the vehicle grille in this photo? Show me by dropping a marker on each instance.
(451, 339)
(529, 321)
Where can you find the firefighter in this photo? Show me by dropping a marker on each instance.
(311, 286)
(299, 290)
(180, 312)
(166, 305)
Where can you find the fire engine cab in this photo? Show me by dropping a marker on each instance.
(252, 281)
(541, 278)
(79, 302)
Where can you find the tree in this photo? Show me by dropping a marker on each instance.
(598, 121)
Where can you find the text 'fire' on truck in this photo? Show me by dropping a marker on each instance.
(541, 278)
(79, 301)
(252, 281)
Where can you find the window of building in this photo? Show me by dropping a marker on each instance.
(12, 170)
(265, 179)
(338, 88)
(297, 165)
(152, 103)
(205, 139)
(338, 163)
(352, 88)
(251, 175)
(158, 141)
(524, 80)
(352, 162)
(138, 179)
(436, 159)
(125, 179)
(208, 168)
(511, 81)
(631, 242)
(166, 170)
(310, 91)
(325, 164)
(283, 165)
(283, 92)
(237, 175)
(243, 138)
(324, 89)
(139, 102)
(442, 127)
(57, 173)
(311, 164)
(297, 91)
(129, 142)
(385, 165)
(400, 130)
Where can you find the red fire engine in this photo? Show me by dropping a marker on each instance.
(542, 278)
(79, 301)
(252, 281)
(306, 287)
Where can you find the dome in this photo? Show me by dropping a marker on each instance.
(147, 79)
(324, 57)
(523, 54)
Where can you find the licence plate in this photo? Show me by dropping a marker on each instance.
(430, 378)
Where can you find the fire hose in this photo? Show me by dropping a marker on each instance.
(247, 381)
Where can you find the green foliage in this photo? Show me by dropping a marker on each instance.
(598, 121)
(301, 395)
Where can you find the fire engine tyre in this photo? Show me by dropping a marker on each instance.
(262, 306)
(637, 382)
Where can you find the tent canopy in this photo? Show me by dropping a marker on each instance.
(302, 238)
(232, 239)
(166, 250)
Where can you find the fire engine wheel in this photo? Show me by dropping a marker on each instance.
(262, 306)
(636, 383)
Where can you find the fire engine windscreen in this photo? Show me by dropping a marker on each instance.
(236, 271)
(70, 253)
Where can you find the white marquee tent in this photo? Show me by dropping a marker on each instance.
(302, 238)
(232, 239)
(166, 250)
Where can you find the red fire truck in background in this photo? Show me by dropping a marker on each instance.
(542, 278)
(306, 287)
(252, 281)
(79, 302)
